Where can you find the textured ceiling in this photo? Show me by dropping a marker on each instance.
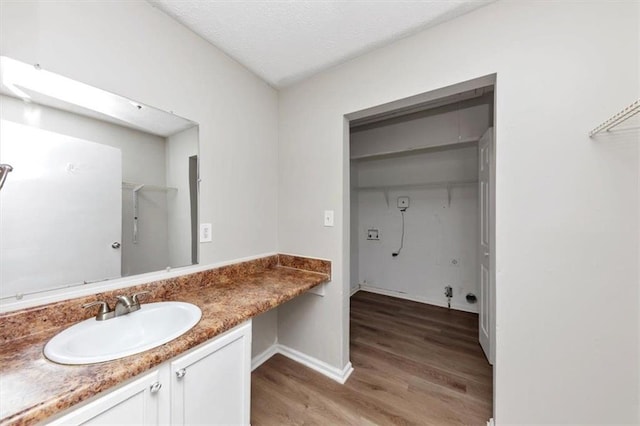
(286, 41)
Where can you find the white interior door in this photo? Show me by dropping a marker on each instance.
(60, 208)
(486, 311)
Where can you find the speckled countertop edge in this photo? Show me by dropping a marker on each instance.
(33, 388)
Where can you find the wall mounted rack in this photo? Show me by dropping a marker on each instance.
(449, 185)
(618, 118)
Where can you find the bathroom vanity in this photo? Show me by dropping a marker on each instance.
(202, 376)
(210, 384)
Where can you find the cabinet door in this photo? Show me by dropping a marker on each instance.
(211, 385)
(135, 403)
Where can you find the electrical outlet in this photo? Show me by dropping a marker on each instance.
(205, 233)
(403, 202)
(373, 234)
(328, 218)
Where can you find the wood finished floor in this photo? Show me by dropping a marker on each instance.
(414, 364)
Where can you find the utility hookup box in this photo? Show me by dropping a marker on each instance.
(403, 202)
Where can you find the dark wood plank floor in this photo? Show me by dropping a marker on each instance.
(415, 364)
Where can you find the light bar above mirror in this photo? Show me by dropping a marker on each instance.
(32, 83)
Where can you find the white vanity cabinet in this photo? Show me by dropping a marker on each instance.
(210, 384)
(136, 403)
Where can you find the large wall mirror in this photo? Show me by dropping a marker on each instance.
(96, 186)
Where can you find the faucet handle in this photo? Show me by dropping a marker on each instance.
(103, 308)
(135, 296)
(124, 300)
(103, 313)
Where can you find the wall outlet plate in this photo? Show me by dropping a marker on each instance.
(205, 233)
(373, 234)
(328, 218)
(403, 202)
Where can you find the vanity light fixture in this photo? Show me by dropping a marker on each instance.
(28, 81)
(33, 83)
(19, 93)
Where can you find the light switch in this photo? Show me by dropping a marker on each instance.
(205, 233)
(328, 218)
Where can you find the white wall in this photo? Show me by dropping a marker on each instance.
(567, 206)
(265, 332)
(436, 233)
(133, 49)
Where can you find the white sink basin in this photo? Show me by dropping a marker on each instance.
(92, 341)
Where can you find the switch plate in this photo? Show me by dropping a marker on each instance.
(205, 233)
(403, 202)
(328, 218)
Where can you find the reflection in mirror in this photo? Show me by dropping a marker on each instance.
(101, 187)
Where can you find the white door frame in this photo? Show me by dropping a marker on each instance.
(399, 105)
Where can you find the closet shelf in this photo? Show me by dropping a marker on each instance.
(426, 185)
(449, 185)
(138, 186)
(460, 142)
(618, 118)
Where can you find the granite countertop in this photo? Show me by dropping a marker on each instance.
(33, 388)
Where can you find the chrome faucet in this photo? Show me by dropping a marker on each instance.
(124, 306)
(104, 313)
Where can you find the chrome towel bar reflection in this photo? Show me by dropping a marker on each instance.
(4, 171)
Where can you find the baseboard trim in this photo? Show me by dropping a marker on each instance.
(261, 358)
(315, 364)
(399, 295)
(354, 290)
(321, 367)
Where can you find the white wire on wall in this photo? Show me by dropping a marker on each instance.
(402, 237)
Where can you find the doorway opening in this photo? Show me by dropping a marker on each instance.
(422, 232)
